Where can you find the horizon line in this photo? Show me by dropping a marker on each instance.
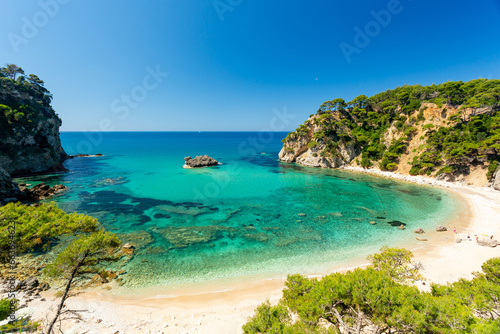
(82, 131)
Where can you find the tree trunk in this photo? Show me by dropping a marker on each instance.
(64, 296)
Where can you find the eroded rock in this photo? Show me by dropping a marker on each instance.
(419, 231)
(200, 161)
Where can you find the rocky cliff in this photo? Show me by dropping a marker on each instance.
(29, 137)
(449, 131)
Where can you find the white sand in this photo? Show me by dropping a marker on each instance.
(225, 312)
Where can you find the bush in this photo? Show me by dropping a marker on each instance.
(312, 144)
(359, 299)
(7, 307)
(40, 226)
(391, 166)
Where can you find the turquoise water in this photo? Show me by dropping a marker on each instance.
(251, 216)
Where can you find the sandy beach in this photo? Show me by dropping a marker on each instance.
(443, 258)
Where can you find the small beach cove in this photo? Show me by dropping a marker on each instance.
(251, 218)
(296, 220)
(212, 311)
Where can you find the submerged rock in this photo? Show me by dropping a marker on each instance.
(181, 237)
(200, 161)
(41, 191)
(396, 223)
(419, 230)
(137, 239)
(259, 236)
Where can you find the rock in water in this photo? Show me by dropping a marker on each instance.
(419, 231)
(41, 191)
(441, 228)
(200, 161)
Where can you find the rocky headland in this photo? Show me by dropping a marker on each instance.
(29, 140)
(448, 132)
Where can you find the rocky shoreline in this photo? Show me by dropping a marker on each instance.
(422, 180)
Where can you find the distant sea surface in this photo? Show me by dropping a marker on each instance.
(250, 217)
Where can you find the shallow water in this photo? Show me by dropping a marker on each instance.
(252, 216)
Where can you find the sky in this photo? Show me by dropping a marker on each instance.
(238, 65)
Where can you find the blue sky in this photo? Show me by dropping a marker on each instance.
(230, 63)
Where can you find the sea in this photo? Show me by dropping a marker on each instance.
(251, 217)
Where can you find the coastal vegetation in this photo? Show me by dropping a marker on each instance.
(463, 131)
(29, 140)
(24, 101)
(82, 257)
(382, 299)
(36, 228)
(39, 227)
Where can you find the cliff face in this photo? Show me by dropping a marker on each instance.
(29, 136)
(317, 144)
(411, 130)
(34, 149)
(8, 189)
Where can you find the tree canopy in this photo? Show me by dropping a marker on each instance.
(373, 300)
(364, 122)
(39, 226)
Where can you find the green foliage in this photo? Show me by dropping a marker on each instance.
(39, 226)
(374, 300)
(396, 262)
(86, 252)
(463, 142)
(492, 168)
(365, 120)
(312, 144)
(6, 308)
(23, 101)
(268, 319)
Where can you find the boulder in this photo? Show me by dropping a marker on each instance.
(41, 191)
(31, 282)
(373, 223)
(496, 180)
(441, 228)
(18, 284)
(421, 239)
(419, 231)
(128, 249)
(200, 161)
(459, 240)
(488, 242)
